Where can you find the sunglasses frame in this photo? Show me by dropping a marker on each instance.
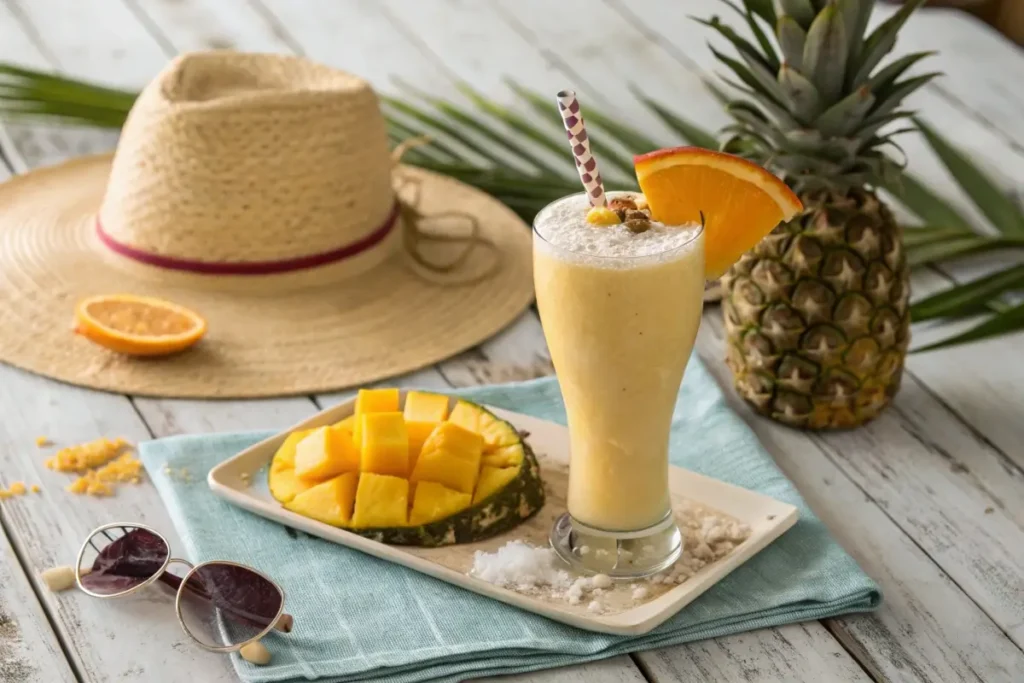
(281, 621)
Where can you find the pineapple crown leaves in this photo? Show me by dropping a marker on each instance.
(819, 77)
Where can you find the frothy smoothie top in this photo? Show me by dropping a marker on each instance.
(564, 224)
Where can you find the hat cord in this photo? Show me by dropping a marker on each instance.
(416, 235)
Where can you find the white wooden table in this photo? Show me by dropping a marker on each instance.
(929, 498)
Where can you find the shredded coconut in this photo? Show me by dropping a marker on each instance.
(707, 537)
(520, 566)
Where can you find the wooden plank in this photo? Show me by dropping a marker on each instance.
(95, 46)
(358, 37)
(797, 652)
(29, 651)
(927, 628)
(49, 528)
(189, 25)
(614, 670)
(981, 84)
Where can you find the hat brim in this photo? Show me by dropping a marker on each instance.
(268, 335)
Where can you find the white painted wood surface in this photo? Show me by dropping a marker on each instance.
(29, 650)
(927, 498)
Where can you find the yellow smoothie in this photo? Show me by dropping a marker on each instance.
(620, 313)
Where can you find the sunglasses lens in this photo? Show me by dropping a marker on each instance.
(224, 604)
(121, 558)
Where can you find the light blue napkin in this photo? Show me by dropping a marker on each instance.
(358, 618)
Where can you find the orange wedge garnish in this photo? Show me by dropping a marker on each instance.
(741, 201)
(138, 326)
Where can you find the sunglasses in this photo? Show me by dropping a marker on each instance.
(222, 606)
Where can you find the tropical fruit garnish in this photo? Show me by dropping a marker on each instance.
(738, 201)
(424, 470)
(138, 326)
(602, 216)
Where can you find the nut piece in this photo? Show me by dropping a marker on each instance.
(255, 653)
(641, 204)
(621, 206)
(637, 215)
(58, 579)
(638, 225)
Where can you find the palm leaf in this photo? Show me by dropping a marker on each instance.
(543, 106)
(968, 298)
(949, 248)
(1005, 322)
(691, 133)
(919, 199)
(983, 191)
(478, 147)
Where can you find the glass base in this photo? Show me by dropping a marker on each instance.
(619, 554)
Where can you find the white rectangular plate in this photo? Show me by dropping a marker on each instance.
(241, 480)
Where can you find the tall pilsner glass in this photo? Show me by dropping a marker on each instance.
(620, 313)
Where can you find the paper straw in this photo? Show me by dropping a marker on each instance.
(586, 164)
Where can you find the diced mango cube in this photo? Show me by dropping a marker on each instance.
(325, 453)
(433, 501)
(423, 406)
(385, 444)
(456, 440)
(496, 432)
(285, 454)
(505, 456)
(285, 485)
(329, 502)
(381, 501)
(372, 401)
(419, 432)
(450, 456)
(348, 424)
(423, 411)
(493, 479)
(467, 416)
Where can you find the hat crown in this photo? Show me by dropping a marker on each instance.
(249, 158)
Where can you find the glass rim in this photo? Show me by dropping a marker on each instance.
(698, 231)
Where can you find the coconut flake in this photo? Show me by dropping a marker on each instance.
(520, 565)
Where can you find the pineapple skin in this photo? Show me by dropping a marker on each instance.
(817, 315)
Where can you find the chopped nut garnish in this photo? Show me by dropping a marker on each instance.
(97, 482)
(638, 225)
(85, 456)
(255, 653)
(637, 215)
(621, 206)
(58, 578)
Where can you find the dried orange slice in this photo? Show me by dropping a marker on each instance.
(741, 201)
(138, 326)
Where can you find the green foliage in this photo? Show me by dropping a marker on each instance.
(525, 165)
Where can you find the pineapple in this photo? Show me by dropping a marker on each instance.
(816, 315)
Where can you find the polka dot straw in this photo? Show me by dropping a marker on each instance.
(569, 107)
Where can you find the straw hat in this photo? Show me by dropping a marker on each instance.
(256, 190)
